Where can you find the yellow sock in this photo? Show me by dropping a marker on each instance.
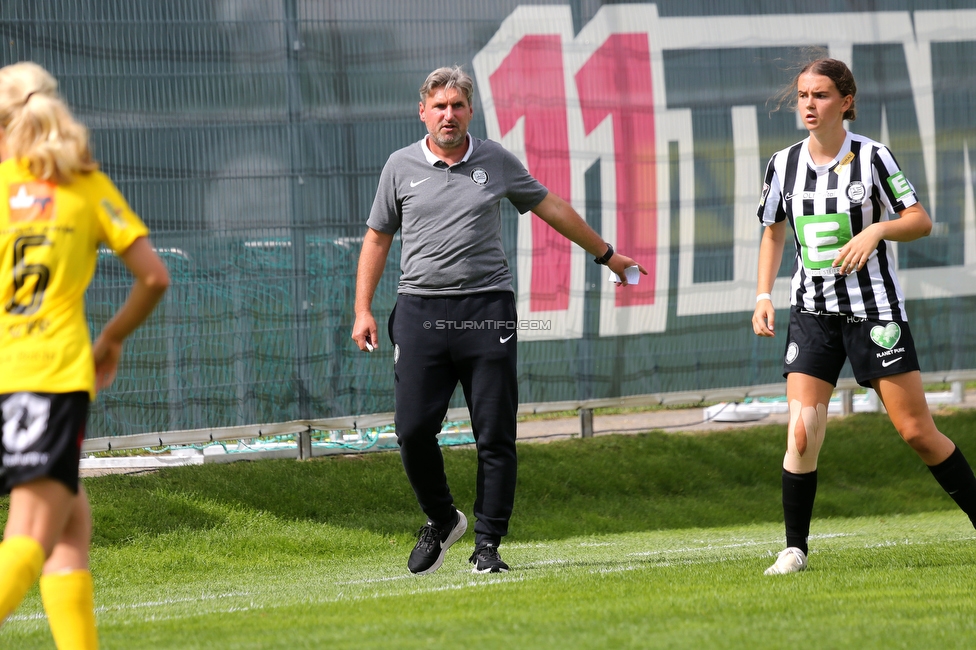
(69, 601)
(21, 560)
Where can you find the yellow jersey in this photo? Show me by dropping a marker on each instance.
(49, 240)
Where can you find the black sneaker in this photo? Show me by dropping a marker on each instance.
(487, 560)
(428, 555)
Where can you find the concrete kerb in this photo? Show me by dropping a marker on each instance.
(704, 419)
(677, 420)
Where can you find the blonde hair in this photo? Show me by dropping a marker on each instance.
(38, 126)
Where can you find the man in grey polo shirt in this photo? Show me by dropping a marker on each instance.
(443, 194)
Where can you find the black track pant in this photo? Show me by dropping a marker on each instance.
(439, 342)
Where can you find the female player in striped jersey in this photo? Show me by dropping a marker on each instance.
(837, 190)
(56, 210)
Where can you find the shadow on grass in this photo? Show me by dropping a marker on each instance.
(608, 484)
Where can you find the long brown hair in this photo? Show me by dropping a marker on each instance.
(835, 70)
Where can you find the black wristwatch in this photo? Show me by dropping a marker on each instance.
(606, 256)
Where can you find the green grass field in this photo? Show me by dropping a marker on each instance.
(651, 541)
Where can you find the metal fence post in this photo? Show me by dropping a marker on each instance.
(846, 401)
(304, 439)
(586, 423)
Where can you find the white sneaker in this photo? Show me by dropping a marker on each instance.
(789, 560)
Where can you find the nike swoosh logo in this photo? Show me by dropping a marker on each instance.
(416, 183)
(885, 364)
(789, 196)
(505, 339)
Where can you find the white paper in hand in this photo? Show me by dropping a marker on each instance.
(632, 273)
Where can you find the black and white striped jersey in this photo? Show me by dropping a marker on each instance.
(829, 204)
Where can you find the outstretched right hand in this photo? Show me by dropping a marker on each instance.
(619, 264)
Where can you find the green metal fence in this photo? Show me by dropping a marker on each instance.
(250, 135)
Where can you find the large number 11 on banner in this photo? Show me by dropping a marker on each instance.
(561, 104)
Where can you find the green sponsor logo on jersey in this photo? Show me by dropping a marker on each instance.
(899, 185)
(821, 236)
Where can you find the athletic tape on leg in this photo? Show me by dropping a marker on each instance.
(801, 455)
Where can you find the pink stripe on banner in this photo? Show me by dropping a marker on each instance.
(529, 84)
(616, 81)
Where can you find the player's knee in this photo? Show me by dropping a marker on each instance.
(805, 435)
(78, 529)
(501, 450)
(917, 436)
(912, 435)
(419, 434)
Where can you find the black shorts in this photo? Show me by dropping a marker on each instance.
(818, 344)
(42, 435)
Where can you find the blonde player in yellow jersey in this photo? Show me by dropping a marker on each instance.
(56, 210)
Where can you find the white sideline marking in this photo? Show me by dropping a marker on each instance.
(153, 603)
(502, 578)
(617, 569)
(471, 583)
(366, 581)
(528, 545)
(552, 562)
(709, 547)
(832, 535)
(173, 601)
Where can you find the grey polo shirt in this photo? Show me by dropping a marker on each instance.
(449, 216)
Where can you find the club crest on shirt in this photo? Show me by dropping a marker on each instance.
(479, 175)
(31, 201)
(855, 192)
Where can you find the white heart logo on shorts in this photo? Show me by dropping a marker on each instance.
(887, 336)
